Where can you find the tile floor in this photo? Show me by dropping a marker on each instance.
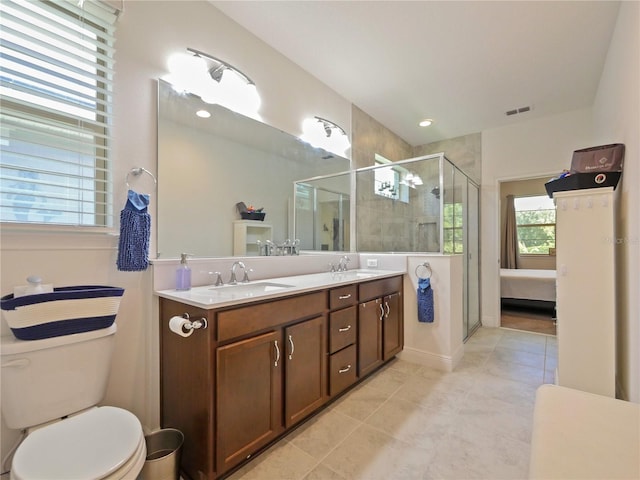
(410, 422)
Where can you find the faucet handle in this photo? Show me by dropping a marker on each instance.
(245, 279)
(218, 282)
(332, 267)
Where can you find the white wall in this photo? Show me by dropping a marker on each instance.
(540, 147)
(147, 33)
(616, 119)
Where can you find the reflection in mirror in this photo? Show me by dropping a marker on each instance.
(322, 212)
(207, 165)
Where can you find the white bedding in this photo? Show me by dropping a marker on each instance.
(528, 284)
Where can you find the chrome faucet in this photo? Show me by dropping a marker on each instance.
(233, 280)
(342, 264)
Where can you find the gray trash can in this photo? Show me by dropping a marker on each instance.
(164, 449)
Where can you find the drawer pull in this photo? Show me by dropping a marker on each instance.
(275, 343)
(344, 297)
(293, 347)
(345, 329)
(345, 369)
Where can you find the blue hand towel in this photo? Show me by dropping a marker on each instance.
(425, 300)
(135, 228)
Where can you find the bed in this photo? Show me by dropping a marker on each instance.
(528, 288)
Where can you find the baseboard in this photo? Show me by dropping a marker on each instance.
(620, 393)
(436, 361)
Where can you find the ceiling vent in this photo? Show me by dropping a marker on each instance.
(516, 111)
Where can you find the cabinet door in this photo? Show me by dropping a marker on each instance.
(392, 326)
(249, 398)
(369, 335)
(305, 368)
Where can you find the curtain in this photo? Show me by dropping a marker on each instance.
(510, 241)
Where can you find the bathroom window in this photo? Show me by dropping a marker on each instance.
(536, 224)
(56, 69)
(389, 181)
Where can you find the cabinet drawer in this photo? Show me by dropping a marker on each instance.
(342, 297)
(254, 318)
(342, 370)
(379, 288)
(342, 328)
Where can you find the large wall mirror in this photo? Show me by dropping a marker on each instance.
(207, 165)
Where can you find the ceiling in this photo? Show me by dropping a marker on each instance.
(464, 64)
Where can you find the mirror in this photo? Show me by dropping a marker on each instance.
(208, 165)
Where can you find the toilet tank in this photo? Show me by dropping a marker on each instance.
(44, 380)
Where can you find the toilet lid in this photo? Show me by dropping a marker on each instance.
(90, 445)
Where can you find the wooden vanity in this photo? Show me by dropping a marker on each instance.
(262, 367)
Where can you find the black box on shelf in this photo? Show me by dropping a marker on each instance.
(592, 167)
(578, 181)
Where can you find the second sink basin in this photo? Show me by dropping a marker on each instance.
(249, 289)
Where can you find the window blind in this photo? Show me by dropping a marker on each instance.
(56, 71)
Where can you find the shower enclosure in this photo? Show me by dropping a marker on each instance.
(323, 212)
(423, 204)
(420, 205)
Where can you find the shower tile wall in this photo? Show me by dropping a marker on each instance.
(464, 152)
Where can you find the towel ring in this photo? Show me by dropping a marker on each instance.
(136, 172)
(427, 267)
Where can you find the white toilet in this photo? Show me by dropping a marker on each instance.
(51, 388)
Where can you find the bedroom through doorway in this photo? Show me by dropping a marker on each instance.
(527, 256)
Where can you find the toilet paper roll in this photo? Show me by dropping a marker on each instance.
(177, 325)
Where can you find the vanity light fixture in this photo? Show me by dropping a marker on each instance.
(214, 81)
(323, 133)
(426, 122)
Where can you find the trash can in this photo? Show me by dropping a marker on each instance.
(164, 449)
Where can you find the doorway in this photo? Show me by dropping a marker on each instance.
(527, 252)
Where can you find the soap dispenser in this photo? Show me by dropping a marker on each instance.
(183, 274)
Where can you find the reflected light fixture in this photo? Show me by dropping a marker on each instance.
(323, 133)
(214, 81)
(203, 114)
(426, 122)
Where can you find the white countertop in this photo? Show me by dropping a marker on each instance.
(209, 296)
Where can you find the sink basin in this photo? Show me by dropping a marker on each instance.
(249, 289)
(356, 274)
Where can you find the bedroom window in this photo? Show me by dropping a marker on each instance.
(536, 224)
(56, 69)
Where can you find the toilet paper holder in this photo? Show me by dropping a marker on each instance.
(200, 323)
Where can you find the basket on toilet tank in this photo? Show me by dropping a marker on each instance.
(65, 311)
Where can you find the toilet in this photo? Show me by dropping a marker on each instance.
(51, 389)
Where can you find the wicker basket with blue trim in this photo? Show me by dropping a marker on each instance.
(65, 311)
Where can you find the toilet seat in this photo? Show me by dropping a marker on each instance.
(104, 442)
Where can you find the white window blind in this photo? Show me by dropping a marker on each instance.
(56, 70)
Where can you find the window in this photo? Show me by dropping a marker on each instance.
(56, 67)
(536, 224)
(452, 224)
(389, 181)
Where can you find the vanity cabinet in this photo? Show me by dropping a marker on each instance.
(268, 382)
(380, 323)
(260, 368)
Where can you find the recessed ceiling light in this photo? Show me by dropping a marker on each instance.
(426, 122)
(203, 114)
